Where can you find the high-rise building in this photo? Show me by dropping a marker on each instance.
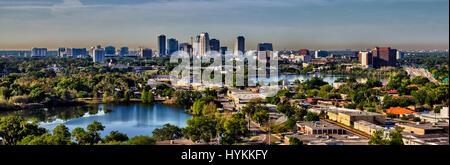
(172, 46)
(186, 47)
(400, 55)
(204, 43)
(144, 52)
(320, 54)
(196, 45)
(162, 45)
(265, 47)
(223, 50)
(365, 59)
(38, 52)
(62, 52)
(214, 45)
(239, 45)
(110, 51)
(124, 51)
(79, 52)
(384, 56)
(99, 55)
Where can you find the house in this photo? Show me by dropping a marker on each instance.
(398, 111)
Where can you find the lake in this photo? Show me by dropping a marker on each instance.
(132, 119)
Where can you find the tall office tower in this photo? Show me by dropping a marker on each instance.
(223, 50)
(79, 52)
(186, 47)
(38, 52)
(214, 45)
(320, 54)
(384, 56)
(265, 47)
(172, 46)
(204, 43)
(239, 45)
(162, 45)
(99, 55)
(400, 55)
(62, 52)
(266, 50)
(124, 51)
(365, 59)
(144, 52)
(196, 46)
(110, 51)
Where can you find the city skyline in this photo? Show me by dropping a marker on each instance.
(289, 25)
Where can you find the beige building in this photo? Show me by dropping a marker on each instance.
(348, 118)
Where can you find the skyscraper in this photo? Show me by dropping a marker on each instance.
(186, 47)
(384, 56)
(320, 54)
(110, 51)
(38, 52)
(124, 51)
(400, 55)
(99, 55)
(239, 45)
(223, 50)
(303, 52)
(365, 59)
(79, 52)
(204, 43)
(162, 45)
(172, 46)
(214, 45)
(265, 47)
(144, 52)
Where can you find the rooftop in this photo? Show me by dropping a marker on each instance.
(399, 111)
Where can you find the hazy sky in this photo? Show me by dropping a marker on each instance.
(288, 24)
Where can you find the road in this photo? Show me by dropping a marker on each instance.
(262, 135)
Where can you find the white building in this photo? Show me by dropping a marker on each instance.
(38, 52)
(99, 55)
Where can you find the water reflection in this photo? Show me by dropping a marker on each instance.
(132, 119)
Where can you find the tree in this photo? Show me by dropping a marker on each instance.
(311, 116)
(200, 128)
(286, 109)
(261, 115)
(150, 97)
(127, 96)
(295, 141)
(377, 138)
(15, 128)
(141, 140)
(89, 137)
(116, 136)
(234, 128)
(144, 97)
(168, 132)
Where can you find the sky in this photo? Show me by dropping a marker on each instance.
(288, 24)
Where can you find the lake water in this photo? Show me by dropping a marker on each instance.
(132, 119)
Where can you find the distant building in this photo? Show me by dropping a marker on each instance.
(239, 45)
(63, 52)
(319, 128)
(38, 52)
(99, 55)
(320, 54)
(400, 55)
(204, 43)
(384, 56)
(172, 46)
(186, 48)
(162, 45)
(303, 52)
(124, 51)
(214, 45)
(79, 52)
(110, 51)
(144, 52)
(265, 47)
(365, 59)
(223, 50)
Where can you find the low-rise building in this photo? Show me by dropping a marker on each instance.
(319, 127)
(422, 128)
(367, 127)
(348, 118)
